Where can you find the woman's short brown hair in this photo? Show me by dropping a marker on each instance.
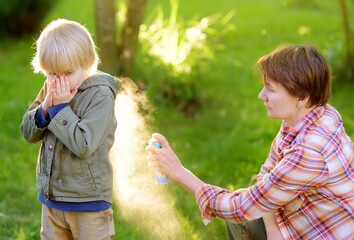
(301, 69)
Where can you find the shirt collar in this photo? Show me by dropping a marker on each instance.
(288, 135)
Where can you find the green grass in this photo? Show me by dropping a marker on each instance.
(225, 142)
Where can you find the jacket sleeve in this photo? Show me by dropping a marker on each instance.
(30, 131)
(84, 135)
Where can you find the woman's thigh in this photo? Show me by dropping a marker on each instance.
(253, 230)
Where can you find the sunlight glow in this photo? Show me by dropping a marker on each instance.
(170, 42)
(303, 30)
(181, 44)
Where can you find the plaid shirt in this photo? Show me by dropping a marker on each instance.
(307, 179)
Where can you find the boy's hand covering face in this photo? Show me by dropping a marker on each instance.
(48, 101)
(61, 91)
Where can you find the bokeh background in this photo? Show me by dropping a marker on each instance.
(191, 64)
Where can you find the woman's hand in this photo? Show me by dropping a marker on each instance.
(166, 161)
(163, 159)
(62, 92)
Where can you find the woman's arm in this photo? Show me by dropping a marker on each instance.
(187, 180)
(271, 160)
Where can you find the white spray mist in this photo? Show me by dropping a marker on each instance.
(138, 198)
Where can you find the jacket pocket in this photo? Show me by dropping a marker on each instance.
(85, 168)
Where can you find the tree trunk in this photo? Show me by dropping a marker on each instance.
(129, 40)
(106, 35)
(346, 27)
(348, 41)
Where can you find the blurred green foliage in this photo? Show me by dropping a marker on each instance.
(228, 137)
(180, 53)
(19, 17)
(165, 33)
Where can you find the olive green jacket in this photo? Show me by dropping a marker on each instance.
(73, 162)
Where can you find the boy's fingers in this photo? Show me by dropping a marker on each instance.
(67, 83)
(52, 83)
(50, 96)
(57, 86)
(62, 83)
(50, 91)
(49, 81)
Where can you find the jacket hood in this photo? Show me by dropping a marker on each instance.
(102, 79)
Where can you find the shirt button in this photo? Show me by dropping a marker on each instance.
(50, 147)
(47, 174)
(64, 122)
(30, 117)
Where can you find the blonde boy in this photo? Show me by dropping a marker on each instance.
(73, 116)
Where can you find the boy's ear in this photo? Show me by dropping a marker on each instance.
(303, 101)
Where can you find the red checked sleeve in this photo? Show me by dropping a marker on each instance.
(271, 160)
(299, 170)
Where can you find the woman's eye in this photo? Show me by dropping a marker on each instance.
(269, 89)
(67, 73)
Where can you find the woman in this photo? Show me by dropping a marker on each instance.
(305, 189)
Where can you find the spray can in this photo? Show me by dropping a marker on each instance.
(159, 177)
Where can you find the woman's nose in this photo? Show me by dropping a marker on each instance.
(262, 95)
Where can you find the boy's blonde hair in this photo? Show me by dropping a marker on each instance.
(65, 46)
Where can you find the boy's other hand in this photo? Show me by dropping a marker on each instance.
(48, 101)
(62, 92)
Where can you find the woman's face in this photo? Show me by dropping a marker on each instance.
(279, 103)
